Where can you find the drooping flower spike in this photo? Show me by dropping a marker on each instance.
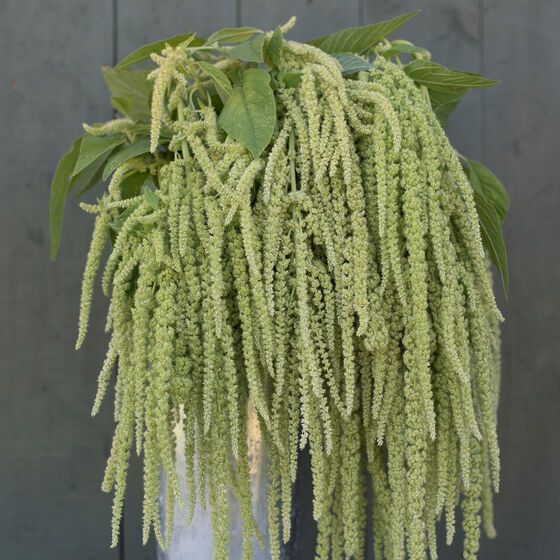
(334, 287)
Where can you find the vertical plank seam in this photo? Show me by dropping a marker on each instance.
(481, 64)
(238, 17)
(121, 545)
(115, 14)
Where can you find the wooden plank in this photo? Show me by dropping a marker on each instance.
(314, 17)
(143, 21)
(450, 29)
(521, 119)
(52, 452)
(140, 22)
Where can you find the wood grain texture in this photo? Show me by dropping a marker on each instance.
(52, 453)
(521, 131)
(314, 17)
(143, 21)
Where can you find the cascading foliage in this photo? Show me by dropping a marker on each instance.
(299, 240)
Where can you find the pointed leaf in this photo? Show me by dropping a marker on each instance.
(89, 177)
(131, 186)
(121, 104)
(489, 186)
(150, 193)
(404, 48)
(232, 35)
(218, 77)
(273, 49)
(93, 147)
(128, 152)
(362, 38)
(445, 86)
(117, 224)
(59, 190)
(443, 103)
(249, 115)
(492, 237)
(131, 92)
(143, 53)
(439, 78)
(492, 203)
(352, 63)
(250, 51)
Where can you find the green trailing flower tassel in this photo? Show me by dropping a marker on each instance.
(324, 269)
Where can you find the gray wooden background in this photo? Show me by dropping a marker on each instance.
(51, 453)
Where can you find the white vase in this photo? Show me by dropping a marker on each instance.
(195, 541)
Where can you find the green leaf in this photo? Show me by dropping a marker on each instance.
(492, 237)
(131, 92)
(150, 194)
(143, 129)
(443, 103)
(404, 48)
(439, 78)
(121, 104)
(489, 186)
(250, 51)
(273, 49)
(218, 77)
(59, 190)
(93, 147)
(143, 53)
(235, 75)
(128, 152)
(352, 63)
(88, 177)
(232, 35)
(131, 186)
(446, 86)
(362, 38)
(118, 223)
(492, 203)
(249, 115)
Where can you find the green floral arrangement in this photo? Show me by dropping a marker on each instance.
(294, 237)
